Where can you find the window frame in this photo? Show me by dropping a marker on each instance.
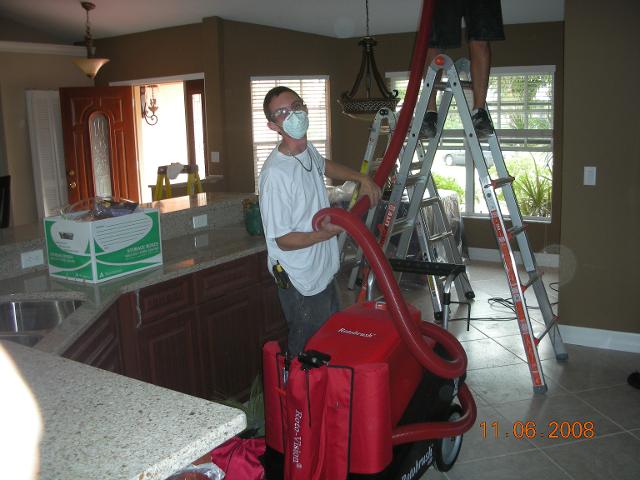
(259, 120)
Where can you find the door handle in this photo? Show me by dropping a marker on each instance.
(72, 185)
(71, 172)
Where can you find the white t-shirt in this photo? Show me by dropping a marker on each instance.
(289, 198)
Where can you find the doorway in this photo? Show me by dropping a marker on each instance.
(177, 134)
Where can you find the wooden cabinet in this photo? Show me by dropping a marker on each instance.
(228, 340)
(99, 346)
(274, 325)
(167, 353)
(200, 334)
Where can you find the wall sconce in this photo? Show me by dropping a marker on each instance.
(149, 111)
(89, 65)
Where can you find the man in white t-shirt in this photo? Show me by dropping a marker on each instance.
(303, 261)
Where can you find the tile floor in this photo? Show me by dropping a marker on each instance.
(590, 387)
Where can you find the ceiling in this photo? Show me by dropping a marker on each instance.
(64, 19)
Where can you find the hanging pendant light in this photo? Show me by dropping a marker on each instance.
(89, 65)
(364, 107)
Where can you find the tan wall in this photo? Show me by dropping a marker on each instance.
(20, 72)
(253, 50)
(12, 31)
(182, 50)
(601, 224)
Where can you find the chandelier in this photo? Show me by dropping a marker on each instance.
(91, 64)
(356, 107)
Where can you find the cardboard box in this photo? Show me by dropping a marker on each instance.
(103, 249)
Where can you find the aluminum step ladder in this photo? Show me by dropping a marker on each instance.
(454, 88)
(382, 128)
(412, 179)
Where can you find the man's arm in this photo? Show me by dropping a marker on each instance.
(297, 240)
(368, 187)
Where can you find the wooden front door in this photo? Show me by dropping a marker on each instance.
(99, 142)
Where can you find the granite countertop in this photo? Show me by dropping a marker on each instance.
(181, 256)
(100, 425)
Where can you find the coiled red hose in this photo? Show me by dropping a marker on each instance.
(409, 332)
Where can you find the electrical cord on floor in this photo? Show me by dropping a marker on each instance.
(507, 303)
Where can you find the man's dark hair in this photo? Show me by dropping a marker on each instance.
(271, 94)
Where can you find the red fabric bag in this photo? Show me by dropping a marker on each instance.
(318, 422)
(238, 458)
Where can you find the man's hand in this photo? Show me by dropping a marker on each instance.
(371, 189)
(297, 240)
(328, 228)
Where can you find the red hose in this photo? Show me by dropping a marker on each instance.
(402, 127)
(416, 432)
(410, 333)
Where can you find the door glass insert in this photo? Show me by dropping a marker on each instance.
(100, 154)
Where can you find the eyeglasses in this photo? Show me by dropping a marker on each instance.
(296, 106)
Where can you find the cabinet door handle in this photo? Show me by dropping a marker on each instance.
(138, 311)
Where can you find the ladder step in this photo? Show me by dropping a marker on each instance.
(533, 278)
(415, 166)
(500, 182)
(427, 202)
(440, 269)
(413, 180)
(446, 86)
(440, 236)
(513, 231)
(373, 166)
(402, 226)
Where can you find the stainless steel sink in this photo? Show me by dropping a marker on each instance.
(28, 340)
(27, 321)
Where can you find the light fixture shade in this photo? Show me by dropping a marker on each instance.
(90, 66)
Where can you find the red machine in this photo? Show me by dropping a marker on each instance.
(358, 405)
(374, 394)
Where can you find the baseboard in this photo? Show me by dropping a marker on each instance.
(597, 338)
(493, 255)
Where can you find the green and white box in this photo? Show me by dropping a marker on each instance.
(103, 249)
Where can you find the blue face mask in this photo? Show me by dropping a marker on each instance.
(296, 124)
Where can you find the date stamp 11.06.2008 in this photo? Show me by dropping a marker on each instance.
(553, 429)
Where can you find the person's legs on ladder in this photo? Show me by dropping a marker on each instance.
(480, 59)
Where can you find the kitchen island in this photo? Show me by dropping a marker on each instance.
(100, 425)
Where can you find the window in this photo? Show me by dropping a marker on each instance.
(314, 91)
(520, 101)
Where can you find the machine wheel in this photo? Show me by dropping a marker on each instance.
(447, 449)
(448, 160)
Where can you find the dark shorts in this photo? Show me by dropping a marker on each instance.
(482, 18)
(305, 315)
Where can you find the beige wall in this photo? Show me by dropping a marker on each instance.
(600, 225)
(20, 72)
(12, 31)
(253, 50)
(182, 50)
